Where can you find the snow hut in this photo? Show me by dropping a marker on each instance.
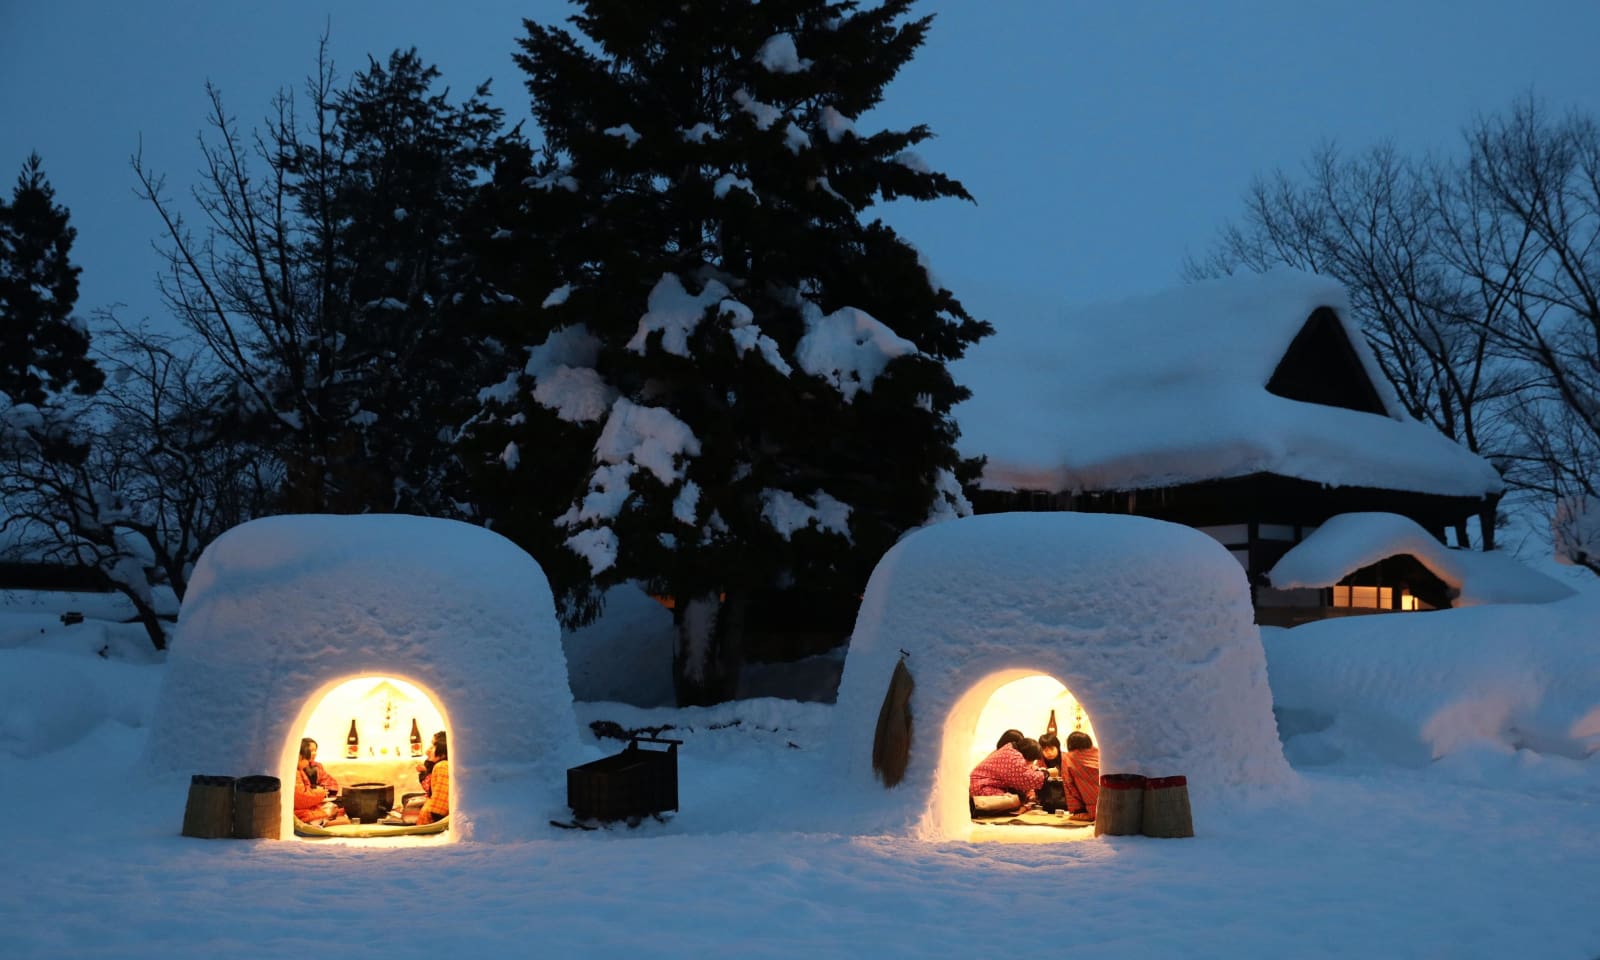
(306, 625)
(1250, 407)
(1146, 624)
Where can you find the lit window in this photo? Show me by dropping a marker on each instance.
(1365, 598)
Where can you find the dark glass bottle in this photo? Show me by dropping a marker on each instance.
(416, 739)
(352, 743)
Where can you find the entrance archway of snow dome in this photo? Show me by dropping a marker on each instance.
(1005, 700)
(382, 707)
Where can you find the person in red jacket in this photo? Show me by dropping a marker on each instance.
(1080, 775)
(313, 785)
(1012, 770)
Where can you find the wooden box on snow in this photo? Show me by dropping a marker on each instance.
(632, 783)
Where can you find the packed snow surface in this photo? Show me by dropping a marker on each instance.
(1171, 389)
(1148, 624)
(1490, 851)
(1350, 541)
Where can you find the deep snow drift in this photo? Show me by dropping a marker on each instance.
(1484, 685)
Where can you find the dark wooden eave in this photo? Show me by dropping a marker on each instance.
(1264, 497)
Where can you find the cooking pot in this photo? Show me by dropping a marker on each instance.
(367, 802)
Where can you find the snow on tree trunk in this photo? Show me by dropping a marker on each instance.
(708, 655)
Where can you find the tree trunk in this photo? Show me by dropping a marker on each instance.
(147, 617)
(709, 652)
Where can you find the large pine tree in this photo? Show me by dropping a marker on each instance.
(391, 203)
(761, 368)
(43, 347)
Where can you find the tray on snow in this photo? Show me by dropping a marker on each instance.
(303, 829)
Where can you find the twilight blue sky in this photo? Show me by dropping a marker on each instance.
(1103, 141)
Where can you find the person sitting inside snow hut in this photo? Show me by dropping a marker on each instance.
(437, 783)
(1052, 796)
(1080, 775)
(1007, 778)
(313, 788)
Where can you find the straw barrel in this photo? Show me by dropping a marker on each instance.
(257, 808)
(209, 812)
(1166, 808)
(1120, 809)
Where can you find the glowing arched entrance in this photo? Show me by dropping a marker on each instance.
(1001, 701)
(1026, 704)
(383, 709)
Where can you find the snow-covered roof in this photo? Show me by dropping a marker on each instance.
(1171, 389)
(1350, 541)
(1148, 624)
(282, 610)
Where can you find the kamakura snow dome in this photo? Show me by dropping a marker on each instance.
(1147, 624)
(283, 611)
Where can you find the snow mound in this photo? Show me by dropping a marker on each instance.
(283, 609)
(50, 700)
(633, 630)
(1148, 624)
(1415, 688)
(1350, 541)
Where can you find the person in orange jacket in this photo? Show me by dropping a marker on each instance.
(437, 784)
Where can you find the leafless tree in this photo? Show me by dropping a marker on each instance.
(136, 481)
(1375, 223)
(1521, 221)
(326, 274)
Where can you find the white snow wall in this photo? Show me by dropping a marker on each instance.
(1147, 623)
(281, 610)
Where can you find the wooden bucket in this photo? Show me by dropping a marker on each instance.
(1120, 809)
(1166, 808)
(257, 808)
(209, 812)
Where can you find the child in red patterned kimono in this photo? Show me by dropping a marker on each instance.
(1011, 771)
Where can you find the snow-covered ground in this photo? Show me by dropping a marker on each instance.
(1492, 849)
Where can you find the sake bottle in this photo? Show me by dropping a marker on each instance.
(352, 743)
(416, 739)
(1050, 728)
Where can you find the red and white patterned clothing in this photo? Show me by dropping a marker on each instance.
(1005, 771)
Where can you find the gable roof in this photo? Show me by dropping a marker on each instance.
(1350, 541)
(1174, 388)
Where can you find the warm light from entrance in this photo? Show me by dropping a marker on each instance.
(383, 708)
(1025, 705)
